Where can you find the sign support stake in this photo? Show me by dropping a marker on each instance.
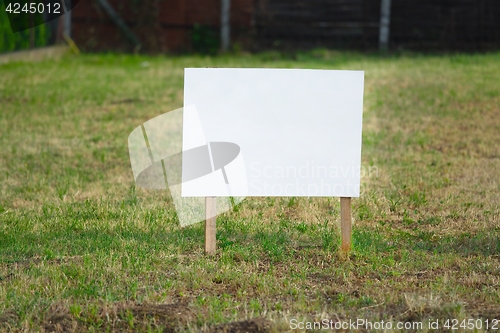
(345, 223)
(210, 227)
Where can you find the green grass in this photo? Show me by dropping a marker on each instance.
(82, 249)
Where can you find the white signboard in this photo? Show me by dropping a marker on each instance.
(272, 132)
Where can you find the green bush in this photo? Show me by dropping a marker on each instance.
(10, 41)
(205, 40)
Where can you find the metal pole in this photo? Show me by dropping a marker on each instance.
(225, 26)
(385, 22)
(120, 23)
(67, 17)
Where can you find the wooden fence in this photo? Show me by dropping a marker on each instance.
(417, 25)
(262, 24)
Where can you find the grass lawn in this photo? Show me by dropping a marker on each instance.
(82, 249)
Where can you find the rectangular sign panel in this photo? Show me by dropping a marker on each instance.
(272, 132)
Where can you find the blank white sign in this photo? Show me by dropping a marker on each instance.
(299, 131)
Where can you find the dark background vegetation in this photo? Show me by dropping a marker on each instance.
(181, 26)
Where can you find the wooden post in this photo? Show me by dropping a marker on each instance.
(345, 223)
(210, 227)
